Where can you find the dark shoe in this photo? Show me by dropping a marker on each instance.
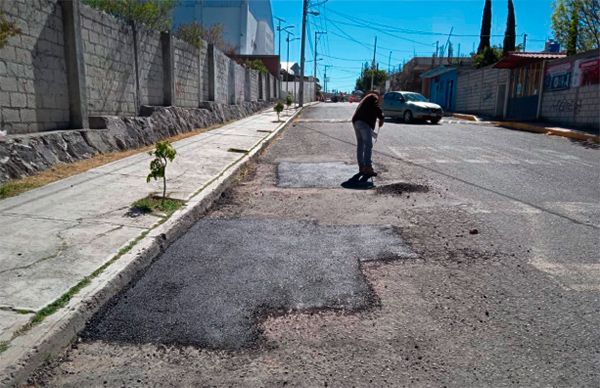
(368, 171)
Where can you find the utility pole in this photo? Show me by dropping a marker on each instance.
(373, 63)
(437, 47)
(524, 42)
(302, 44)
(458, 54)
(325, 77)
(389, 61)
(317, 33)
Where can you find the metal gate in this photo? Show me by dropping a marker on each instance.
(523, 108)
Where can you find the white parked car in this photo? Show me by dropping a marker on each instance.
(411, 106)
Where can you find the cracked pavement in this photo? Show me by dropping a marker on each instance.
(514, 304)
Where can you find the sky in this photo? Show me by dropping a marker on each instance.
(402, 27)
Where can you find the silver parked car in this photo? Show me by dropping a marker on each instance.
(410, 106)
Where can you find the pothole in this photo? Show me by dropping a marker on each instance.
(326, 174)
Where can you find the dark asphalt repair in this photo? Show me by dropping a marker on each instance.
(213, 287)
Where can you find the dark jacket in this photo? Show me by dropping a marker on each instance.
(368, 111)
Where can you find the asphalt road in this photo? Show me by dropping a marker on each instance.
(474, 262)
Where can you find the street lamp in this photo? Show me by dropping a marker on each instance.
(305, 11)
(288, 62)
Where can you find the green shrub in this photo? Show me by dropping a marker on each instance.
(163, 153)
(278, 108)
(7, 29)
(258, 65)
(154, 14)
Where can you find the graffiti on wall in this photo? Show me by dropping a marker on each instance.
(567, 75)
(558, 77)
(567, 105)
(586, 72)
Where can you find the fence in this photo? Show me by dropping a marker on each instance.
(571, 93)
(72, 62)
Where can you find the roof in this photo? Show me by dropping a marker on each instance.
(517, 59)
(290, 67)
(436, 71)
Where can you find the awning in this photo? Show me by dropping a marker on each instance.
(436, 72)
(517, 59)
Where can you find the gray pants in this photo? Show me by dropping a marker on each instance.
(364, 143)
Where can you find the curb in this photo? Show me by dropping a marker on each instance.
(463, 116)
(47, 339)
(568, 133)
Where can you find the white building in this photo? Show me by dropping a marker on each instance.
(247, 24)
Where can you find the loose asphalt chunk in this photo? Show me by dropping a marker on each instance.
(213, 286)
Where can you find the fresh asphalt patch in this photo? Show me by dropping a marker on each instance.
(214, 286)
(325, 175)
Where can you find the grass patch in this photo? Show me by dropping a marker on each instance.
(153, 204)
(64, 170)
(3, 346)
(65, 298)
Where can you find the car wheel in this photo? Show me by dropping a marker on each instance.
(408, 117)
(435, 121)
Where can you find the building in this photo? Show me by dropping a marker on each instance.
(409, 78)
(525, 83)
(247, 25)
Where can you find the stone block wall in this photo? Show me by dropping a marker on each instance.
(238, 83)
(203, 73)
(150, 66)
(33, 77)
(72, 61)
(109, 64)
(253, 81)
(222, 63)
(575, 102)
(187, 79)
(477, 90)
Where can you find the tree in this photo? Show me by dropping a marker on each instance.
(191, 33)
(572, 36)
(364, 81)
(163, 153)
(154, 14)
(288, 100)
(486, 27)
(587, 22)
(488, 56)
(510, 35)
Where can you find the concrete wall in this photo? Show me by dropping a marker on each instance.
(292, 89)
(109, 64)
(150, 64)
(187, 69)
(33, 77)
(569, 97)
(72, 61)
(477, 90)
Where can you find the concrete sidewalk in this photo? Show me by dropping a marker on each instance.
(57, 236)
(534, 127)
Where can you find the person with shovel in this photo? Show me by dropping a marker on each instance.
(367, 114)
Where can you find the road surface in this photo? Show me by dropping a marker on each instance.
(474, 262)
